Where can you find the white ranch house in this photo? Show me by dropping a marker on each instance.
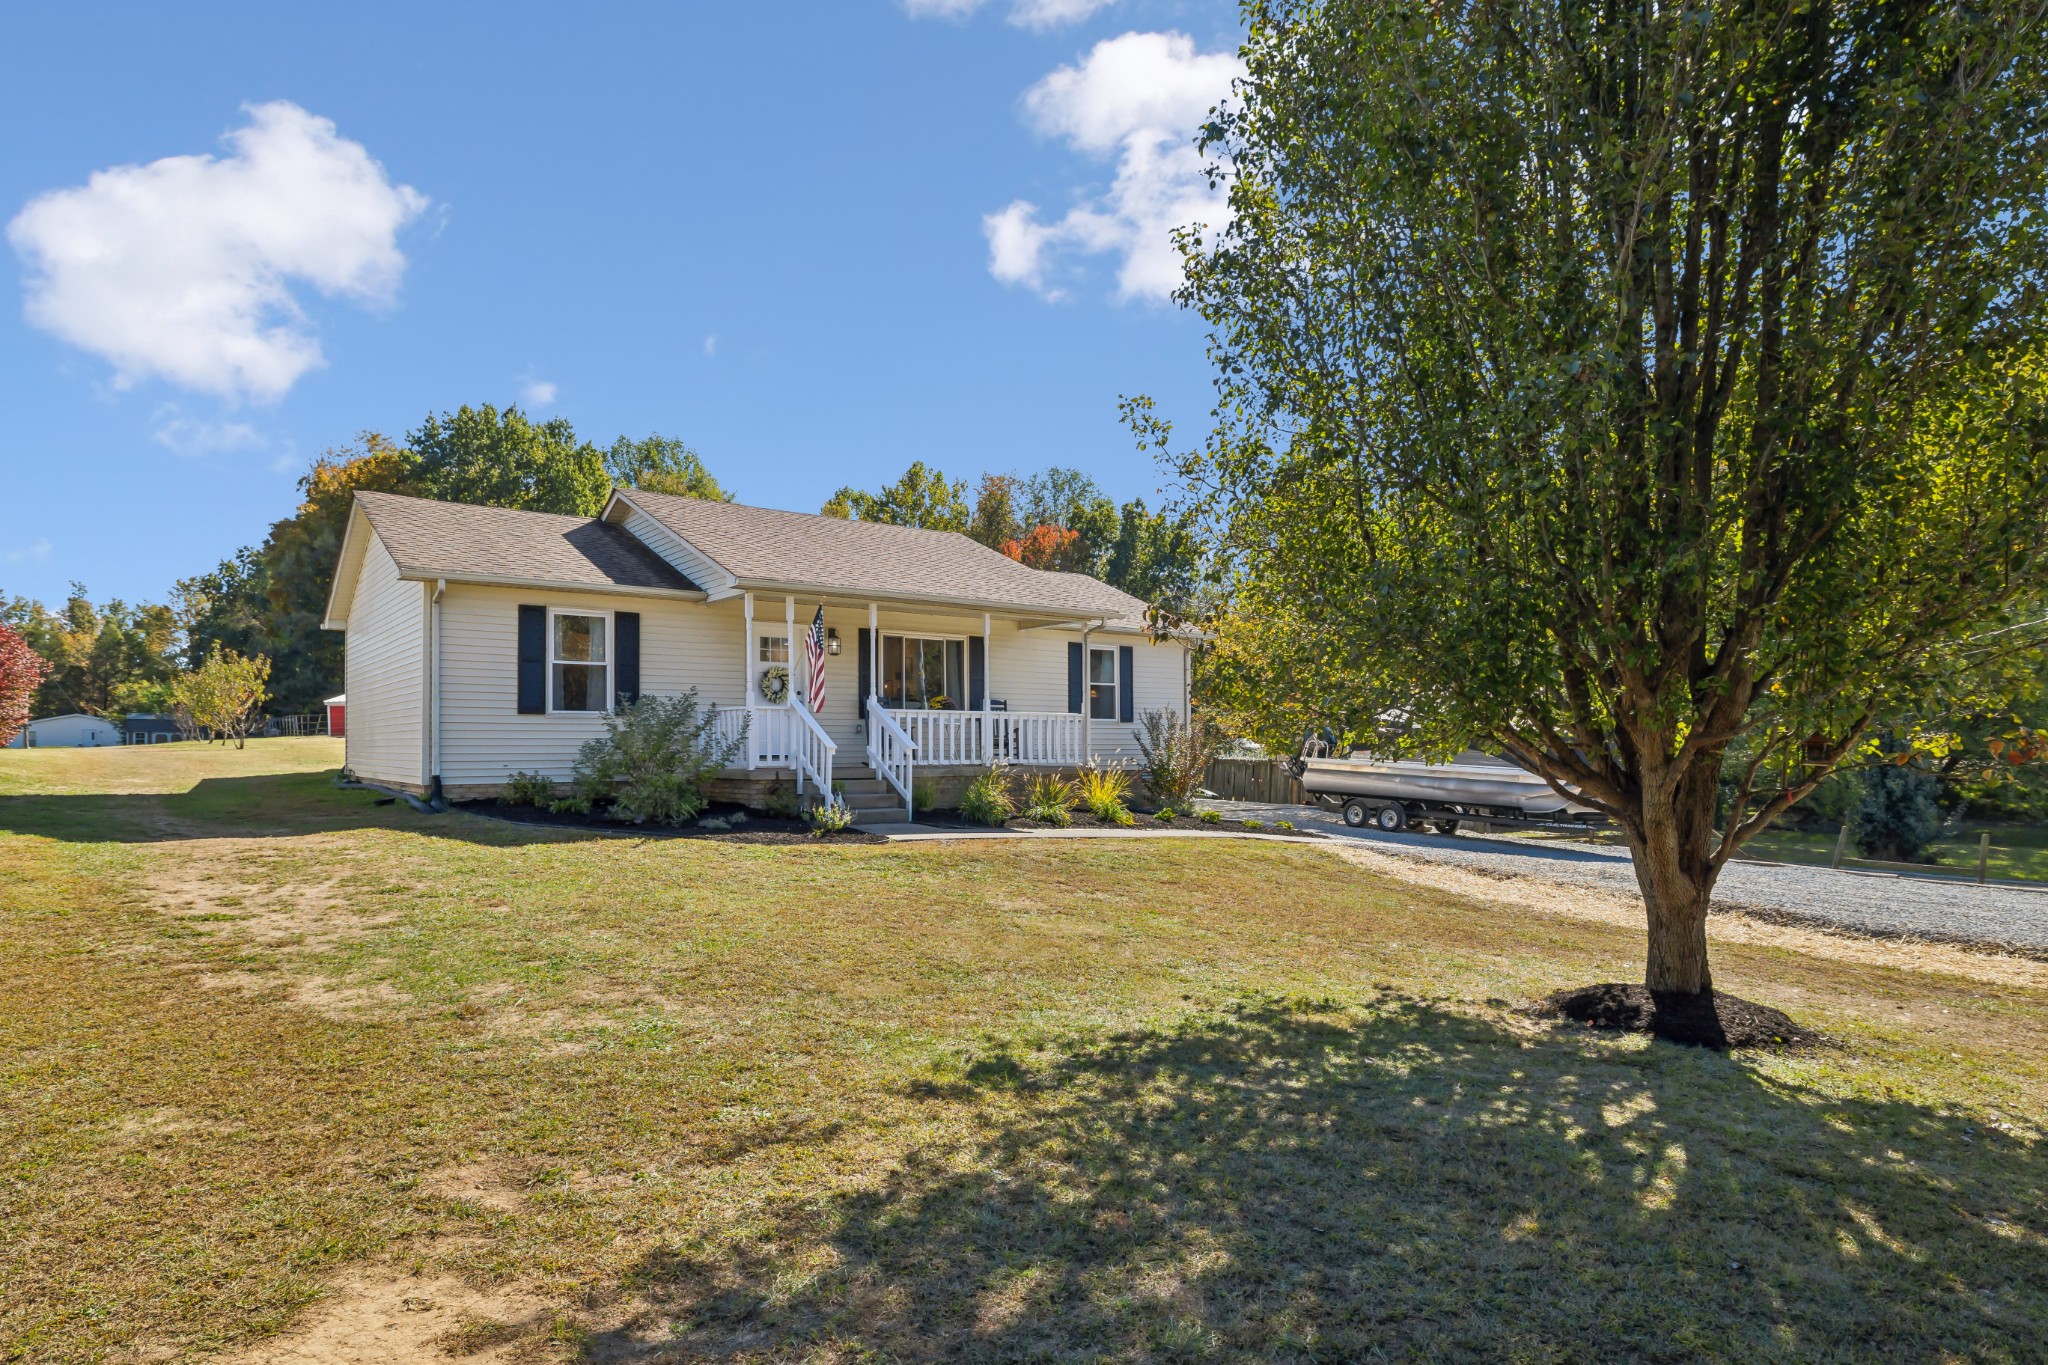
(483, 642)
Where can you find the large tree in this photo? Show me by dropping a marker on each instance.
(923, 497)
(1619, 381)
(506, 459)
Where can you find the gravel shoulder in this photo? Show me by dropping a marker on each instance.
(2004, 919)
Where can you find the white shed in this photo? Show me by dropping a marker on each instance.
(74, 731)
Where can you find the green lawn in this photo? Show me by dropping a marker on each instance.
(266, 1040)
(2017, 851)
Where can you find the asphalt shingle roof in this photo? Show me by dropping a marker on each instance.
(457, 540)
(763, 545)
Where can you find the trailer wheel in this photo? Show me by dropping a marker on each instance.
(1446, 827)
(1356, 815)
(1393, 817)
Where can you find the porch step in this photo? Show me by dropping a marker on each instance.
(884, 800)
(860, 786)
(891, 814)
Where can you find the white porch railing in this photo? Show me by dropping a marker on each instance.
(892, 754)
(780, 737)
(1034, 738)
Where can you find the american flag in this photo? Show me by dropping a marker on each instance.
(814, 661)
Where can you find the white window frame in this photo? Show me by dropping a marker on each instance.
(966, 661)
(1088, 683)
(611, 649)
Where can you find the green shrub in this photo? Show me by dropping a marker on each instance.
(1165, 813)
(529, 789)
(1101, 792)
(923, 792)
(652, 761)
(1254, 824)
(1287, 825)
(782, 803)
(987, 800)
(1898, 816)
(1049, 800)
(829, 819)
(714, 826)
(1208, 817)
(1174, 755)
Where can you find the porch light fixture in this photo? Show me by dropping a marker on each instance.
(831, 639)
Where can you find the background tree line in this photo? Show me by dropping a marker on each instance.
(1057, 519)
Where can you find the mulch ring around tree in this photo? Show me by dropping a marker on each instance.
(721, 822)
(1713, 1019)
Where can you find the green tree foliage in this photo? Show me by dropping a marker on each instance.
(505, 459)
(922, 497)
(662, 464)
(1899, 815)
(1616, 382)
(92, 651)
(224, 695)
(995, 522)
(1070, 500)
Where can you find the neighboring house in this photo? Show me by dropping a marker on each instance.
(337, 715)
(139, 728)
(484, 642)
(74, 731)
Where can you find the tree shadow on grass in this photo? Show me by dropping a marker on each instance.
(261, 805)
(1302, 1183)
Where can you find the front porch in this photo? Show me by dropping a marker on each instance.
(876, 780)
(929, 692)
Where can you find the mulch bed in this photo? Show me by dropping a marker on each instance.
(950, 819)
(754, 828)
(1716, 1019)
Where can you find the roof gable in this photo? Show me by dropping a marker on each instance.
(430, 539)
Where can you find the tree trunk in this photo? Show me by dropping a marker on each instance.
(1673, 855)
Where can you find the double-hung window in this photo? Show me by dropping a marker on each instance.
(1102, 684)
(579, 661)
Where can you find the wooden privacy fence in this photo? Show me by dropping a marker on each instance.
(1254, 779)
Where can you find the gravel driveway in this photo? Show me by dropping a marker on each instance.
(1884, 904)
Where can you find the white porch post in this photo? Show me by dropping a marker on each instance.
(988, 687)
(1087, 703)
(874, 663)
(747, 673)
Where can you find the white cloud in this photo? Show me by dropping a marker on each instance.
(537, 393)
(1140, 98)
(183, 268)
(1036, 14)
(1044, 14)
(30, 554)
(196, 436)
(711, 346)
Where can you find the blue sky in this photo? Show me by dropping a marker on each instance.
(817, 241)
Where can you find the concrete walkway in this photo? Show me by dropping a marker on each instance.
(905, 832)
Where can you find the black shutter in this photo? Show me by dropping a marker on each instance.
(1126, 700)
(626, 657)
(533, 661)
(977, 673)
(867, 669)
(1077, 677)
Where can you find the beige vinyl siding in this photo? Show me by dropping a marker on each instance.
(1029, 671)
(484, 739)
(384, 659)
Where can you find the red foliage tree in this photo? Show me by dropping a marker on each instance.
(22, 671)
(1044, 547)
